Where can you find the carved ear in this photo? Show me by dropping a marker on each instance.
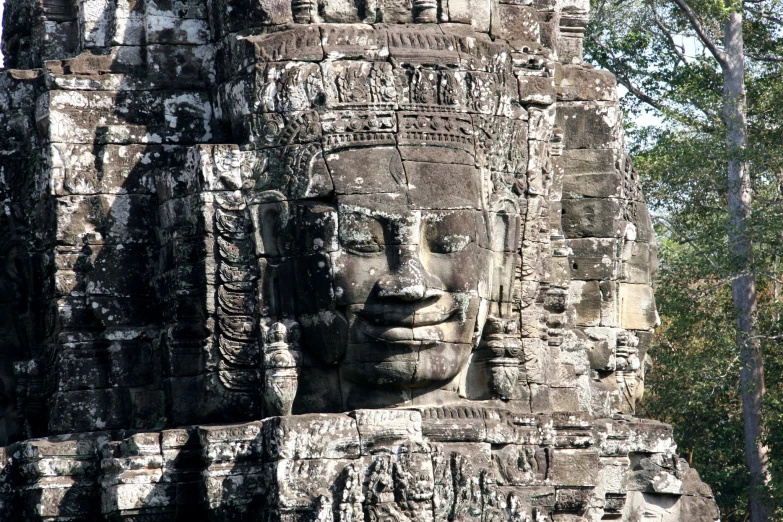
(396, 169)
(269, 213)
(503, 222)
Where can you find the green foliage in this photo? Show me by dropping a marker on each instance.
(682, 161)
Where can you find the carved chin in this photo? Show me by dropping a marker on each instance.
(404, 365)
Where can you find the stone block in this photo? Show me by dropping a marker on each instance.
(636, 270)
(148, 408)
(238, 442)
(84, 466)
(188, 396)
(231, 491)
(89, 410)
(654, 481)
(571, 500)
(564, 399)
(575, 467)
(366, 172)
(643, 222)
(588, 161)
(587, 299)
(84, 367)
(536, 89)
(453, 424)
(592, 217)
(180, 66)
(601, 346)
(651, 437)
(112, 169)
(52, 40)
(583, 83)
(504, 427)
(60, 497)
(95, 22)
(612, 476)
(637, 307)
(474, 12)
(520, 465)
(185, 9)
(315, 436)
(389, 11)
(607, 184)
(110, 312)
(472, 457)
(389, 430)
(540, 499)
(593, 258)
(132, 497)
(516, 23)
(169, 30)
(301, 43)
(339, 11)
(297, 484)
(118, 219)
(84, 446)
(590, 125)
(427, 181)
(570, 48)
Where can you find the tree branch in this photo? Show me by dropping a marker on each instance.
(766, 58)
(762, 14)
(708, 42)
(624, 79)
(668, 35)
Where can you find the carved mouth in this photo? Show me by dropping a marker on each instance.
(409, 317)
(402, 328)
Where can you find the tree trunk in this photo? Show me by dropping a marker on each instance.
(743, 287)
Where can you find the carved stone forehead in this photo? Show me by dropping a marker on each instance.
(424, 177)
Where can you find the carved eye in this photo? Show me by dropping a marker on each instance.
(449, 233)
(361, 245)
(360, 234)
(450, 243)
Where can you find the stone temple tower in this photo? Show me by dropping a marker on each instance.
(322, 260)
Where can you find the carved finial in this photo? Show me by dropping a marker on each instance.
(282, 358)
(278, 333)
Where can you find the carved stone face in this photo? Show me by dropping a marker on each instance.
(410, 266)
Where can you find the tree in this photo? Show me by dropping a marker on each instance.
(689, 60)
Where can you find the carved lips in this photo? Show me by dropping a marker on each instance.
(403, 324)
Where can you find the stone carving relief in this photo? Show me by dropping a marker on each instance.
(383, 260)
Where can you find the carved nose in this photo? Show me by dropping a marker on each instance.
(408, 279)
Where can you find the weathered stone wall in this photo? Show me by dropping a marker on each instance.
(188, 193)
(103, 128)
(370, 465)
